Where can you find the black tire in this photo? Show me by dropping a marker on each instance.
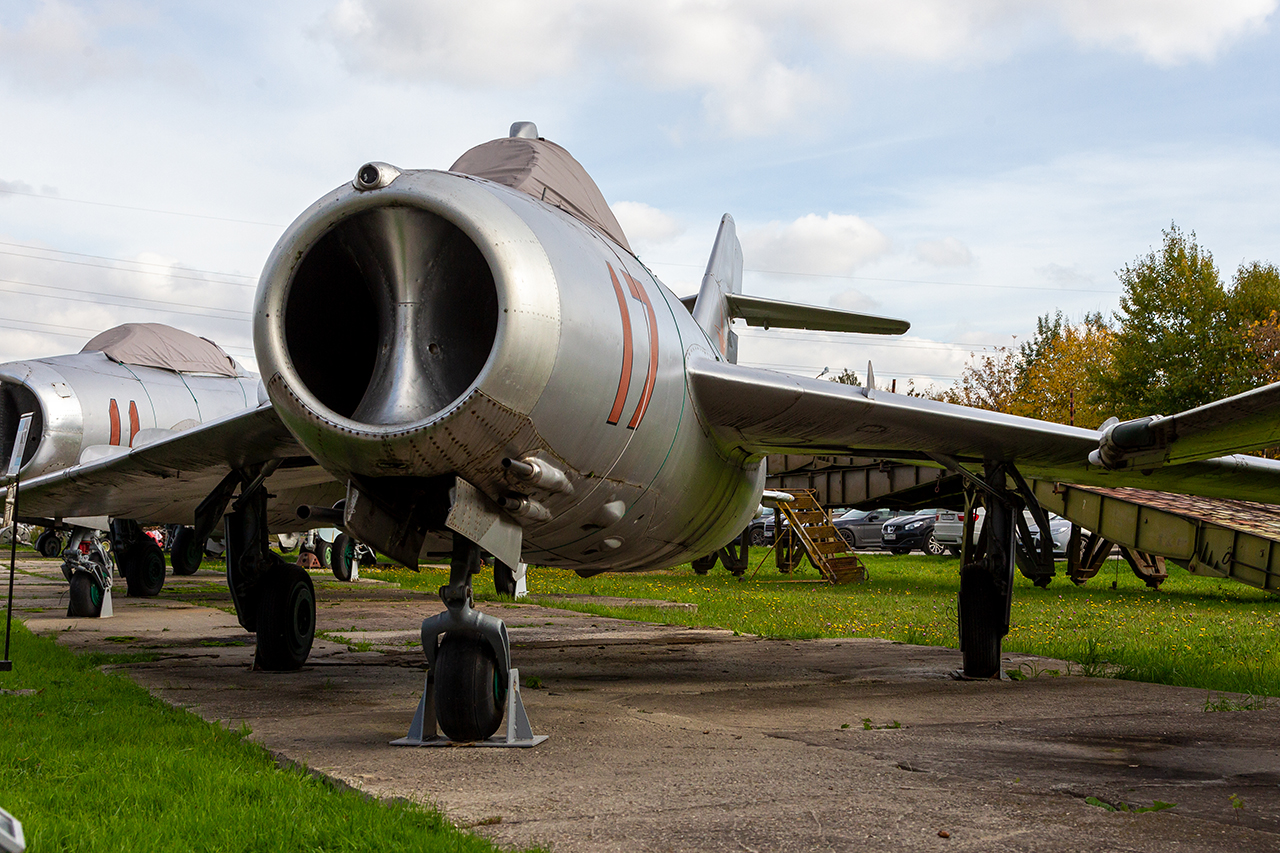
(933, 547)
(49, 544)
(899, 551)
(323, 552)
(185, 553)
(86, 594)
(143, 566)
(849, 537)
(469, 697)
(981, 618)
(342, 556)
(953, 550)
(286, 619)
(504, 579)
(758, 537)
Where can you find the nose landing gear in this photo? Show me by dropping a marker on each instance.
(470, 682)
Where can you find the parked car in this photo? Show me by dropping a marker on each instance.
(912, 532)
(760, 530)
(1059, 532)
(861, 528)
(949, 529)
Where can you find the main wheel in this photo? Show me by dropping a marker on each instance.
(323, 552)
(49, 544)
(469, 693)
(143, 566)
(981, 618)
(86, 594)
(933, 547)
(185, 553)
(342, 556)
(286, 619)
(504, 579)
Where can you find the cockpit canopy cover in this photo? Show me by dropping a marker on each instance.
(545, 171)
(157, 345)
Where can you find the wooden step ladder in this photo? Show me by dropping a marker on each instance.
(827, 550)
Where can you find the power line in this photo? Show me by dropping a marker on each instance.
(141, 209)
(136, 272)
(898, 280)
(810, 369)
(117, 260)
(157, 304)
(832, 338)
(83, 335)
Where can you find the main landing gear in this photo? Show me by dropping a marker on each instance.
(470, 682)
(986, 579)
(273, 598)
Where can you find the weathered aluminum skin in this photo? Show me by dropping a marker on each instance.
(586, 372)
(87, 401)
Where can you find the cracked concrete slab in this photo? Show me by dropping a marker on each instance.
(675, 739)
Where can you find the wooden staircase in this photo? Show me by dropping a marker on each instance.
(827, 550)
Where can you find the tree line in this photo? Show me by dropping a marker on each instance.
(1181, 338)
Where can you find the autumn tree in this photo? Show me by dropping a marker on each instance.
(1061, 383)
(989, 381)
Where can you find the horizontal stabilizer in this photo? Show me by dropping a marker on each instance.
(770, 313)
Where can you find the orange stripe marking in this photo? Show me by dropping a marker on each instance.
(624, 381)
(114, 412)
(651, 376)
(134, 425)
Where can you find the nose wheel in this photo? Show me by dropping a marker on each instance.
(470, 684)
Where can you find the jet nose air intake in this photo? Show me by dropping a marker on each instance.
(412, 315)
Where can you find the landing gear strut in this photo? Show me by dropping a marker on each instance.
(986, 580)
(141, 559)
(470, 682)
(273, 598)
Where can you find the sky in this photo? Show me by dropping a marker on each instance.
(967, 165)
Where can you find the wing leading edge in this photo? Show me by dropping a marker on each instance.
(760, 411)
(163, 482)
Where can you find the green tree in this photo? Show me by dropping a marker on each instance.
(1171, 350)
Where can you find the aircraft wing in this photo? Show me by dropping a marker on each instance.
(163, 481)
(1248, 421)
(762, 412)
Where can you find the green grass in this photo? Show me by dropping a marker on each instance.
(1198, 632)
(90, 761)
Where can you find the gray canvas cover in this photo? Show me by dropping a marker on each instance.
(158, 345)
(545, 171)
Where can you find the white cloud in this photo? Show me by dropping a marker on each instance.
(62, 45)
(835, 244)
(1165, 32)
(645, 225)
(757, 64)
(947, 252)
(853, 300)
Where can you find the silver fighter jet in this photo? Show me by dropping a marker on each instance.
(514, 379)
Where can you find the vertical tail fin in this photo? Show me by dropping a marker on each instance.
(723, 275)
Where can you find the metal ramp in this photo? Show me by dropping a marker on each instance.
(811, 525)
(1219, 538)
